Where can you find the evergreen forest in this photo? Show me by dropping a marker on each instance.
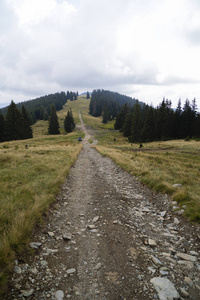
(146, 124)
(108, 104)
(16, 119)
(16, 125)
(40, 108)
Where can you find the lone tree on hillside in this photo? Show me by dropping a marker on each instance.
(69, 124)
(88, 95)
(53, 122)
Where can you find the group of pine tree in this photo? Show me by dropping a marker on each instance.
(143, 123)
(69, 123)
(16, 119)
(16, 125)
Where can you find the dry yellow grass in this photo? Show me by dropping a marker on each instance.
(160, 165)
(31, 177)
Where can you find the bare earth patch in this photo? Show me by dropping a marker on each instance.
(106, 238)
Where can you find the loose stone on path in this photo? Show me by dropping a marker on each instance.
(164, 288)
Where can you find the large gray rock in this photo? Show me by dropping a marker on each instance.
(165, 288)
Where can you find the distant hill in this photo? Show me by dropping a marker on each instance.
(39, 108)
(108, 104)
(85, 93)
(3, 105)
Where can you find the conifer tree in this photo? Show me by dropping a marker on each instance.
(88, 95)
(53, 122)
(27, 130)
(13, 123)
(1, 127)
(69, 124)
(136, 125)
(105, 114)
(127, 124)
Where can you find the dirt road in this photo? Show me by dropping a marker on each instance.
(108, 237)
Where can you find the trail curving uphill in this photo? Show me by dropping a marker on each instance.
(108, 237)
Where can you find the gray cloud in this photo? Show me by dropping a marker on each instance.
(141, 48)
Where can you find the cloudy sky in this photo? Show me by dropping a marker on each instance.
(147, 49)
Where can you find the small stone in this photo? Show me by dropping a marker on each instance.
(186, 264)
(151, 270)
(35, 245)
(163, 213)
(44, 263)
(51, 234)
(59, 295)
(194, 253)
(197, 286)
(187, 257)
(28, 293)
(156, 260)
(171, 260)
(95, 219)
(177, 185)
(145, 209)
(98, 266)
(71, 271)
(115, 222)
(176, 221)
(184, 293)
(52, 251)
(188, 281)
(152, 243)
(163, 273)
(34, 270)
(91, 226)
(18, 270)
(67, 237)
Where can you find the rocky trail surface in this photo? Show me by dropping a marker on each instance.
(108, 237)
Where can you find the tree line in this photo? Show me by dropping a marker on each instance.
(40, 108)
(16, 125)
(146, 123)
(108, 104)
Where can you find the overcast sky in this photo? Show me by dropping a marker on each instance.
(147, 49)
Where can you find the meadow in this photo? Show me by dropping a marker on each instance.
(159, 165)
(32, 172)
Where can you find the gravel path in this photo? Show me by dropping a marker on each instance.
(108, 237)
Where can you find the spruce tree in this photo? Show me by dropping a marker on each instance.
(2, 127)
(27, 130)
(88, 95)
(136, 125)
(69, 124)
(105, 114)
(13, 123)
(53, 122)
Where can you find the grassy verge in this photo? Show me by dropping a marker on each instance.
(31, 173)
(159, 165)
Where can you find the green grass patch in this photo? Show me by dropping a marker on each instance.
(30, 179)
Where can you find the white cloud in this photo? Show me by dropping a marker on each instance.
(144, 48)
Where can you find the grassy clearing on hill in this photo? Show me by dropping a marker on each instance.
(32, 172)
(159, 165)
